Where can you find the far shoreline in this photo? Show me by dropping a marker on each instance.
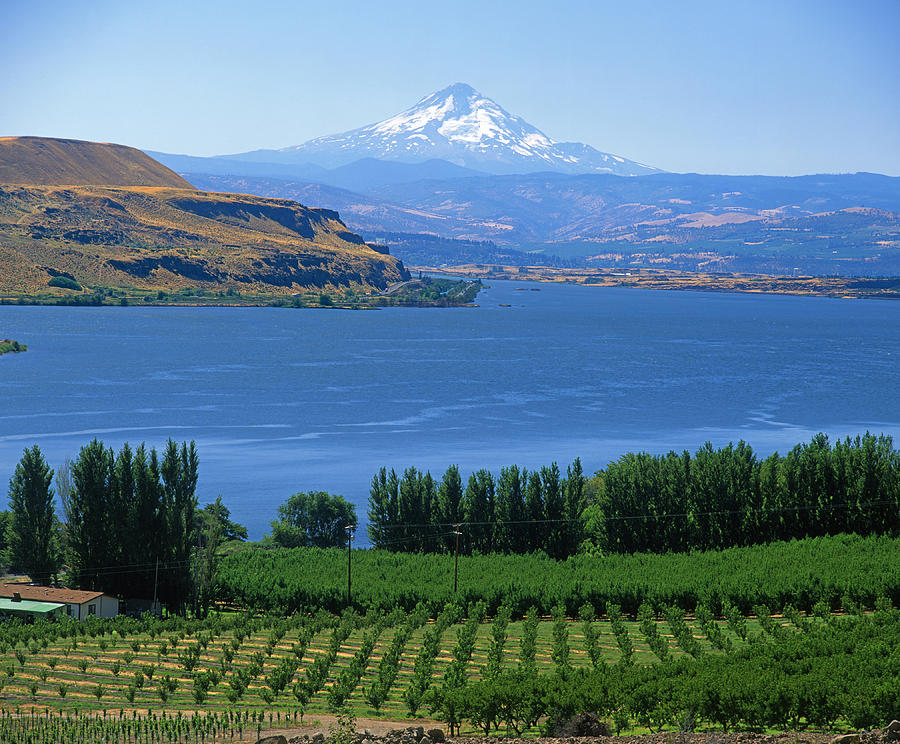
(837, 287)
(424, 292)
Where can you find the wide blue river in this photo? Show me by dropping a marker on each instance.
(282, 400)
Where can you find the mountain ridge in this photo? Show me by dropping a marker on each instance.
(827, 223)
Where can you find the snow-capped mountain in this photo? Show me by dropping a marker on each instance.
(460, 125)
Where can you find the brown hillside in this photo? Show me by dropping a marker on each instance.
(50, 161)
(154, 238)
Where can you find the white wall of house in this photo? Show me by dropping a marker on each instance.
(108, 606)
(103, 606)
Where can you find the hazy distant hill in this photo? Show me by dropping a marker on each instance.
(63, 162)
(556, 207)
(824, 224)
(359, 175)
(366, 213)
(848, 224)
(170, 236)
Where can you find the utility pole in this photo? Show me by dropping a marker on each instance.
(155, 585)
(456, 558)
(349, 529)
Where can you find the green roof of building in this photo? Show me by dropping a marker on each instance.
(26, 605)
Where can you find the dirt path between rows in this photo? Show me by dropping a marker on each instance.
(324, 723)
(377, 727)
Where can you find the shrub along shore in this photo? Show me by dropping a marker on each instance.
(8, 346)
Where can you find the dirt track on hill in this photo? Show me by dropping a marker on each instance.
(379, 728)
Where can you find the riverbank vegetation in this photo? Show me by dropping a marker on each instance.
(422, 292)
(8, 346)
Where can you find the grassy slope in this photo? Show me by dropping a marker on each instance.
(54, 161)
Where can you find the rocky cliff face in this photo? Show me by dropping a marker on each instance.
(151, 238)
(109, 215)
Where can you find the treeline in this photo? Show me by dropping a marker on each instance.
(841, 572)
(124, 512)
(129, 521)
(677, 502)
(719, 498)
(519, 511)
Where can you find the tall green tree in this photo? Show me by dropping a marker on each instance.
(429, 542)
(383, 508)
(210, 538)
(179, 470)
(675, 484)
(478, 509)
(32, 530)
(509, 510)
(412, 513)
(147, 547)
(554, 512)
(121, 524)
(218, 513)
(449, 505)
(89, 536)
(313, 518)
(535, 533)
(574, 497)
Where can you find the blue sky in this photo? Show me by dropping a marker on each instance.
(788, 87)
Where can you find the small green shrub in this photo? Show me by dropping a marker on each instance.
(64, 282)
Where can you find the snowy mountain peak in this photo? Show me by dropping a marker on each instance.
(461, 114)
(464, 127)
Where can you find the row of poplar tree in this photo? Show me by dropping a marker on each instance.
(128, 520)
(518, 511)
(719, 498)
(715, 498)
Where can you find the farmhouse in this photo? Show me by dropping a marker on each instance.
(78, 604)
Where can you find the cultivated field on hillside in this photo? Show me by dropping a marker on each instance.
(142, 662)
